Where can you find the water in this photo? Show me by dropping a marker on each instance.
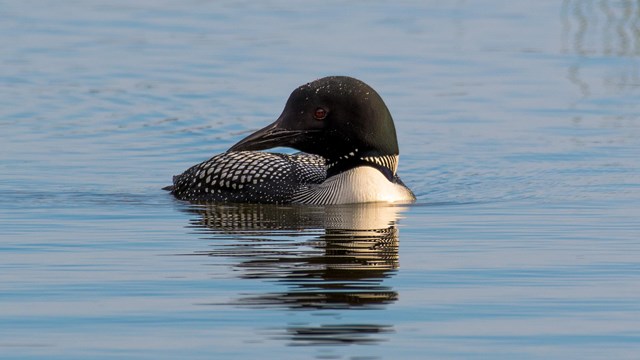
(519, 132)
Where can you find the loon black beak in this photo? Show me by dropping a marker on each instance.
(271, 136)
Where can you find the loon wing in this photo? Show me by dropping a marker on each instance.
(249, 176)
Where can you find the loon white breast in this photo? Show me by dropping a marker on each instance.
(349, 153)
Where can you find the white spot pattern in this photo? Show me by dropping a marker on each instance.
(262, 177)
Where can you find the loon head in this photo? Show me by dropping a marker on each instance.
(339, 118)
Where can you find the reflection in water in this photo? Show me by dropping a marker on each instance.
(334, 257)
(335, 334)
(602, 28)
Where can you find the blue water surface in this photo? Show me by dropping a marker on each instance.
(519, 130)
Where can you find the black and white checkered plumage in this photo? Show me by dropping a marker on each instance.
(250, 177)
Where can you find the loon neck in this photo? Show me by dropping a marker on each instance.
(387, 164)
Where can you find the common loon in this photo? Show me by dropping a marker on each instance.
(349, 153)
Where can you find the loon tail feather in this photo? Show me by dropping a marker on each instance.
(172, 187)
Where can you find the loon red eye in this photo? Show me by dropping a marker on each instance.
(320, 114)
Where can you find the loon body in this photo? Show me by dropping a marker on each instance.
(349, 153)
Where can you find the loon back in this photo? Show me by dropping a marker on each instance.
(349, 138)
(267, 178)
(249, 177)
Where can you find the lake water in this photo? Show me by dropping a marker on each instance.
(519, 127)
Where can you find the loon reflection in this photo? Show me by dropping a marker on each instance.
(328, 257)
(318, 258)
